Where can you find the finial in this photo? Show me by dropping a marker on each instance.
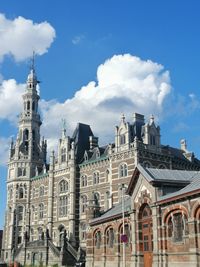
(151, 118)
(122, 117)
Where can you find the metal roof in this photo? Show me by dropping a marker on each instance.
(114, 211)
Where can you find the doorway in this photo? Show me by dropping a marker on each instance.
(146, 234)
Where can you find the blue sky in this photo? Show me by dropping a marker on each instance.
(113, 37)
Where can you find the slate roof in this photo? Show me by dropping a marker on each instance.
(81, 140)
(194, 185)
(169, 175)
(114, 211)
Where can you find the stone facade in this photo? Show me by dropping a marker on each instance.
(50, 204)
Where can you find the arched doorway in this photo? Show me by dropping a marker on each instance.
(146, 234)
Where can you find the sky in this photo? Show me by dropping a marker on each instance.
(97, 60)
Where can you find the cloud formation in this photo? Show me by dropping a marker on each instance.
(10, 99)
(125, 84)
(19, 37)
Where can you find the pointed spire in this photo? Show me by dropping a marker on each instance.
(32, 78)
(63, 128)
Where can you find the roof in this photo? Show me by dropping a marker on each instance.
(81, 140)
(115, 211)
(181, 177)
(171, 175)
(193, 186)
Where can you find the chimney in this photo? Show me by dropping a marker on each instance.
(183, 145)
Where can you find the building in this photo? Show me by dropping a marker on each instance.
(50, 205)
(161, 222)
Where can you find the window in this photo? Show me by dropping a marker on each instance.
(41, 191)
(20, 213)
(84, 180)
(83, 231)
(107, 175)
(123, 170)
(152, 140)
(122, 139)
(83, 203)
(96, 177)
(63, 206)
(21, 192)
(177, 226)
(40, 234)
(96, 199)
(110, 238)
(63, 186)
(41, 211)
(33, 213)
(19, 234)
(97, 239)
(63, 154)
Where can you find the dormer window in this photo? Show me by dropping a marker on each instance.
(122, 139)
(97, 154)
(63, 154)
(152, 140)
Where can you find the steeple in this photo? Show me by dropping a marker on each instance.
(27, 147)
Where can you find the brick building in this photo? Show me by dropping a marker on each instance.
(161, 222)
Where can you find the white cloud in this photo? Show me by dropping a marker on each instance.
(125, 84)
(10, 99)
(19, 37)
(77, 39)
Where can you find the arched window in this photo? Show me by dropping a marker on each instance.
(152, 140)
(110, 237)
(63, 186)
(97, 239)
(19, 172)
(26, 135)
(21, 192)
(41, 211)
(96, 178)
(123, 170)
(20, 211)
(41, 191)
(33, 106)
(107, 175)
(28, 105)
(177, 226)
(40, 233)
(63, 154)
(84, 180)
(122, 139)
(83, 231)
(96, 199)
(83, 203)
(63, 206)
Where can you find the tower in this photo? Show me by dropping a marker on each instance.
(27, 157)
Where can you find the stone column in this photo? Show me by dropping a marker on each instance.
(50, 193)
